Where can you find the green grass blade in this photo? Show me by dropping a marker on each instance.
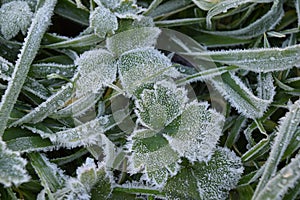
(257, 60)
(30, 144)
(286, 178)
(29, 50)
(265, 23)
(286, 130)
(48, 107)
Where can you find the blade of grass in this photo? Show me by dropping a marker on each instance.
(29, 50)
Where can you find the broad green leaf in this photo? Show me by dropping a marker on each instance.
(286, 178)
(29, 50)
(224, 6)
(30, 144)
(260, 26)
(158, 107)
(96, 69)
(287, 128)
(12, 167)
(142, 66)
(15, 16)
(103, 21)
(195, 133)
(152, 155)
(46, 108)
(132, 39)
(257, 60)
(211, 180)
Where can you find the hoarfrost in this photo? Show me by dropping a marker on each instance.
(15, 16)
(96, 69)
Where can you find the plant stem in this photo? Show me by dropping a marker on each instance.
(29, 50)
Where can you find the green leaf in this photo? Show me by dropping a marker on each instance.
(287, 128)
(46, 108)
(128, 9)
(195, 133)
(152, 155)
(286, 178)
(260, 26)
(12, 167)
(42, 70)
(96, 69)
(142, 66)
(224, 6)
(206, 4)
(211, 180)
(132, 39)
(15, 16)
(158, 107)
(242, 98)
(257, 60)
(30, 144)
(28, 52)
(103, 21)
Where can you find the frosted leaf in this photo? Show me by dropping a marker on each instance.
(12, 167)
(6, 69)
(87, 173)
(211, 180)
(286, 178)
(224, 6)
(241, 97)
(257, 60)
(158, 107)
(142, 66)
(73, 189)
(132, 39)
(84, 135)
(206, 4)
(128, 9)
(15, 16)
(46, 108)
(143, 21)
(103, 21)
(96, 69)
(195, 133)
(285, 132)
(108, 3)
(152, 154)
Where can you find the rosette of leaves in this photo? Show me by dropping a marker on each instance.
(177, 128)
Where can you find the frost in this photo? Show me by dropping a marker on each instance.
(14, 16)
(128, 9)
(152, 154)
(83, 135)
(142, 66)
(211, 180)
(132, 39)
(103, 21)
(160, 106)
(195, 133)
(48, 107)
(206, 4)
(96, 69)
(108, 3)
(12, 167)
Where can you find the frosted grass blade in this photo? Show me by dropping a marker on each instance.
(30, 48)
